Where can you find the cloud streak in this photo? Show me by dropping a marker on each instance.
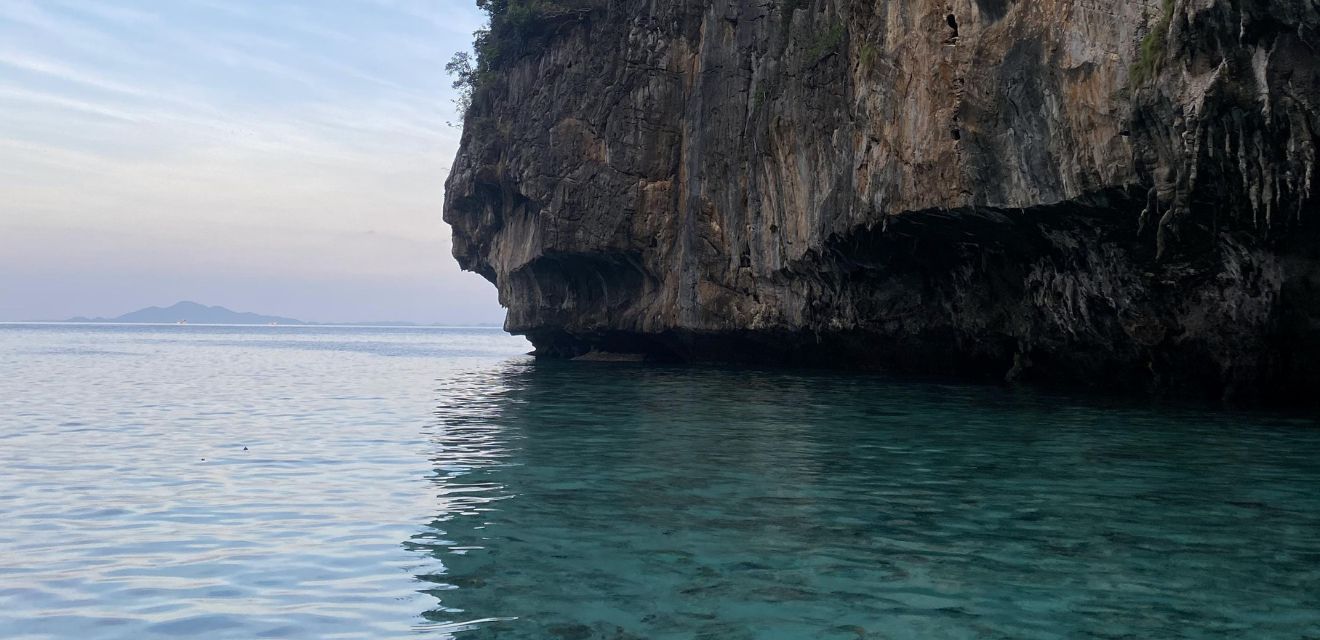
(302, 139)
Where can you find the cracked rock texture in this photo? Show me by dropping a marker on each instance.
(1087, 192)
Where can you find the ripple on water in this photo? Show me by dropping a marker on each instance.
(437, 483)
(133, 510)
(656, 503)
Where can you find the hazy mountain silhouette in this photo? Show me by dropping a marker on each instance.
(192, 312)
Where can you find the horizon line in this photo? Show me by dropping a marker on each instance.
(365, 325)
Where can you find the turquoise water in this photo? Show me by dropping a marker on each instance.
(437, 483)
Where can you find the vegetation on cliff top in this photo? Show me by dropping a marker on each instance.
(516, 28)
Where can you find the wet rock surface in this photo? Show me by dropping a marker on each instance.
(1120, 195)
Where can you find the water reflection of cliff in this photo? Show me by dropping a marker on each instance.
(541, 463)
(579, 500)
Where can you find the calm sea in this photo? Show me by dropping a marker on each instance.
(266, 482)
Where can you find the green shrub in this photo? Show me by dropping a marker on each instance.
(1153, 47)
(460, 68)
(516, 28)
(824, 42)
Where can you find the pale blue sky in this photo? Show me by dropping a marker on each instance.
(283, 157)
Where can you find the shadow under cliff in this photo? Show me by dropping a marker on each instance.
(1072, 294)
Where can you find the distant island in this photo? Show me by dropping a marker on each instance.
(192, 312)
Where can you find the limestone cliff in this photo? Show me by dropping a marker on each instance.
(1118, 194)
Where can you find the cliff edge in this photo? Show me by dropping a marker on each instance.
(1088, 192)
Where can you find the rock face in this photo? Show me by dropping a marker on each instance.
(1113, 194)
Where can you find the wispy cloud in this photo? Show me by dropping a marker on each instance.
(35, 64)
(296, 137)
(124, 16)
(31, 23)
